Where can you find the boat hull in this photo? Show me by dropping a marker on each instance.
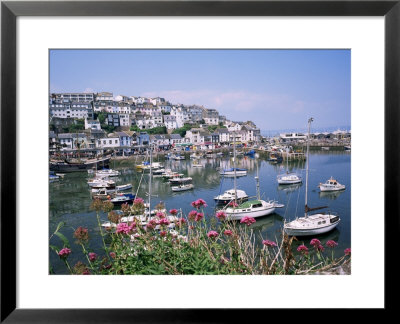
(78, 167)
(310, 232)
(326, 189)
(254, 214)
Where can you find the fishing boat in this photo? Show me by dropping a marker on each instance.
(230, 195)
(311, 224)
(331, 185)
(183, 187)
(103, 194)
(107, 173)
(70, 166)
(120, 199)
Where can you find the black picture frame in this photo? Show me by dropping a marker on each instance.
(10, 10)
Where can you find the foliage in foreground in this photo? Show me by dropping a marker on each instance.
(193, 247)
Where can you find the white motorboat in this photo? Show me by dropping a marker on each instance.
(124, 187)
(311, 224)
(230, 195)
(233, 172)
(289, 178)
(182, 187)
(101, 183)
(180, 180)
(107, 173)
(331, 185)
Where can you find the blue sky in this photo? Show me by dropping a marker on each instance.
(277, 89)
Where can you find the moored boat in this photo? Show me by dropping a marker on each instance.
(331, 185)
(182, 187)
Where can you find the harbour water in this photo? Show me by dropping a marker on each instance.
(69, 198)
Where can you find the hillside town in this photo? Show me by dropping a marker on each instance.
(97, 122)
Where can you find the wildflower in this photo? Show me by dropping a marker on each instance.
(221, 215)
(302, 249)
(331, 244)
(181, 221)
(114, 217)
(199, 203)
(315, 242)
(63, 253)
(80, 268)
(132, 227)
(107, 206)
(163, 233)
(96, 204)
(212, 234)
(199, 217)
(247, 220)
(192, 214)
(233, 204)
(163, 221)
(173, 211)
(113, 255)
(151, 224)
(319, 248)
(160, 215)
(125, 208)
(228, 232)
(122, 228)
(92, 256)
(81, 234)
(268, 243)
(138, 201)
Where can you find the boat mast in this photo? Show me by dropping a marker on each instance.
(234, 164)
(151, 174)
(308, 151)
(257, 182)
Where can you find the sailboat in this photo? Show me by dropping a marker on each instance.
(311, 224)
(251, 208)
(288, 178)
(234, 172)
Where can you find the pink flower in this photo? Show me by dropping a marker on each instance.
(221, 215)
(63, 253)
(347, 251)
(199, 203)
(160, 215)
(163, 233)
(113, 255)
(92, 256)
(151, 224)
(212, 234)
(173, 211)
(331, 244)
(315, 242)
(319, 248)
(138, 201)
(163, 221)
(199, 217)
(228, 232)
(181, 221)
(122, 228)
(192, 214)
(303, 249)
(233, 204)
(269, 243)
(247, 220)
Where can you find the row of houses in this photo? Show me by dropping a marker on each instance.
(122, 110)
(129, 141)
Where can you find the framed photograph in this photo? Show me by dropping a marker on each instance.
(192, 104)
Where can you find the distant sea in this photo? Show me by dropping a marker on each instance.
(276, 132)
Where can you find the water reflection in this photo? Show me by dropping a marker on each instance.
(331, 195)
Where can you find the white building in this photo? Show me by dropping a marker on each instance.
(108, 142)
(92, 124)
(66, 97)
(105, 96)
(78, 110)
(170, 122)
